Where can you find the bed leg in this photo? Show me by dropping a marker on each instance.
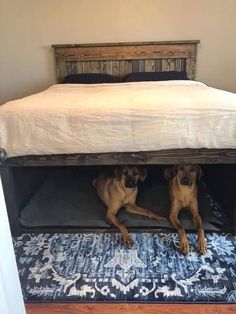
(10, 199)
(234, 228)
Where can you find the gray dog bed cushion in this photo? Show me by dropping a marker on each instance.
(68, 199)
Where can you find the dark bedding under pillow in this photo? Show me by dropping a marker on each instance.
(90, 78)
(155, 76)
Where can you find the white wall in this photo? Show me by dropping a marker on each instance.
(29, 27)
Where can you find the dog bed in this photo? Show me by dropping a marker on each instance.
(67, 199)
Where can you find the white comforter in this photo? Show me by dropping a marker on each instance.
(126, 117)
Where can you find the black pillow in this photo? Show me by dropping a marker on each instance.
(90, 78)
(155, 76)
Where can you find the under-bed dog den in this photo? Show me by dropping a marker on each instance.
(137, 105)
(64, 199)
(121, 104)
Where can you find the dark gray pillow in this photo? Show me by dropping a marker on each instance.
(90, 78)
(155, 76)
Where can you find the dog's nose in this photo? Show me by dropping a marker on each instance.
(130, 183)
(185, 180)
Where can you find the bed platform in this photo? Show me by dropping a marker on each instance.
(21, 175)
(174, 156)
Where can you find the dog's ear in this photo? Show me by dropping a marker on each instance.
(118, 172)
(199, 172)
(142, 173)
(175, 169)
(170, 172)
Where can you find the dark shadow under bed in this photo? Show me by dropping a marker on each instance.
(67, 199)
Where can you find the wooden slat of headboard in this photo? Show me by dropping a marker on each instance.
(122, 58)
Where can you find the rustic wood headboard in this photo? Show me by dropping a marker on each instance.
(122, 58)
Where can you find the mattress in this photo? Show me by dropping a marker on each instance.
(123, 117)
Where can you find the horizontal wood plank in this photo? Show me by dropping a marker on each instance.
(175, 156)
(137, 43)
(124, 52)
(86, 308)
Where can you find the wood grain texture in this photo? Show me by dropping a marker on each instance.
(9, 189)
(162, 157)
(122, 58)
(86, 308)
(139, 43)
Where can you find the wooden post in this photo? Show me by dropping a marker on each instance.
(8, 185)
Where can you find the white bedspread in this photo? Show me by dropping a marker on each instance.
(126, 117)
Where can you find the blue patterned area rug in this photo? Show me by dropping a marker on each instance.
(96, 267)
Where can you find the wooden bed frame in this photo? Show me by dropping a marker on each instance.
(120, 59)
(21, 176)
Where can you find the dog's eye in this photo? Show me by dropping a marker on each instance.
(192, 170)
(181, 168)
(125, 173)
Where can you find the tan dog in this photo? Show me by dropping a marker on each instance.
(183, 194)
(120, 190)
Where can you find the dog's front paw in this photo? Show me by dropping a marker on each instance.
(184, 247)
(127, 241)
(202, 246)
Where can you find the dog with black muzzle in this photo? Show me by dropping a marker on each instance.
(119, 189)
(183, 194)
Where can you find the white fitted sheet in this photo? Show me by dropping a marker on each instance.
(125, 117)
